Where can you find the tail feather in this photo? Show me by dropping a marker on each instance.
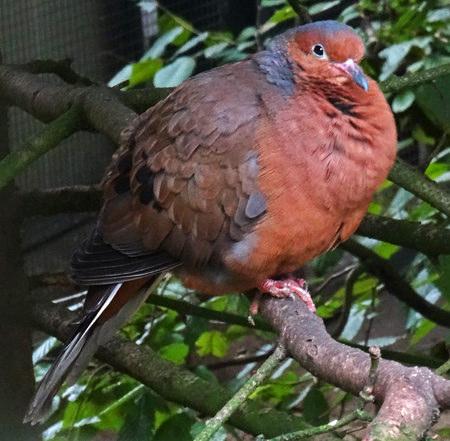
(91, 332)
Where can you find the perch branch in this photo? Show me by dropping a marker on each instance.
(410, 398)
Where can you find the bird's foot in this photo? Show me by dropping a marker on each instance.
(289, 288)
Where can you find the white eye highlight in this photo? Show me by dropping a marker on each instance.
(319, 51)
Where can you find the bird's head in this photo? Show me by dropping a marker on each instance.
(326, 50)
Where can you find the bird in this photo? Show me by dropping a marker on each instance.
(240, 176)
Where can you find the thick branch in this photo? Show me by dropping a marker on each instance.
(171, 382)
(410, 397)
(428, 239)
(103, 108)
(421, 186)
(395, 284)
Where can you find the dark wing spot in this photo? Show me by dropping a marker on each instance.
(343, 107)
(157, 207)
(144, 174)
(124, 165)
(146, 194)
(122, 184)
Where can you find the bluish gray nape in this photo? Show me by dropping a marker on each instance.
(277, 67)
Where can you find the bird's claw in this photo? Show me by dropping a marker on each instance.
(289, 288)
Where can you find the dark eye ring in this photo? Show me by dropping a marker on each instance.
(319, 51)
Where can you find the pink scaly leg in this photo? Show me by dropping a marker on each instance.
(287, 288)
(282, 288)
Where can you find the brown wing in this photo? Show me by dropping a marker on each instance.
(184, 184)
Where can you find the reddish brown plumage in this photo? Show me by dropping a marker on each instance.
(242, 174)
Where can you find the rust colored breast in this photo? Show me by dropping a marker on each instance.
(321, 162)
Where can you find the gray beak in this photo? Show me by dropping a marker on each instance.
(354, 72)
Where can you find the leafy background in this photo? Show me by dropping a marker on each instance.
(401, 36)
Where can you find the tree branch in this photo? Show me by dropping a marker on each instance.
(428, 239)
(103, 108)
(395, 84)
(395, 284)
(410, 398)
(171, 382)
(53, 134)
(421, 186)
(61, 68)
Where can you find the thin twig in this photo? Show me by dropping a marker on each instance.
(329, 279)
(395, 84)
(350, 281)
(190, 309)
(249, 387)
(356, 415)
(441, 370)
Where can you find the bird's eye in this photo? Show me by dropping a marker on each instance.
(319, 51)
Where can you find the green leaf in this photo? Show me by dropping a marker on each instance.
(220, 435)
(385, 250)
(403, 101)
(219, 303)
(282, 14)
(268, 3)
(167, 22)
(320, 7)
(315, 408)
(174, 73)
(246, 34)
(191, 43)
(437, 169)
(434, 100)
(145, 71)
(175, 352)
(214, 51)
(354, 323)
(395, 54)
(177, 427)
(159, 46)
(442, 14)
(212, 342)
(44, 348)
(422, 330)
(444, 432)
(140, 422)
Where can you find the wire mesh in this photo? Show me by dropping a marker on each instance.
(100, 37)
